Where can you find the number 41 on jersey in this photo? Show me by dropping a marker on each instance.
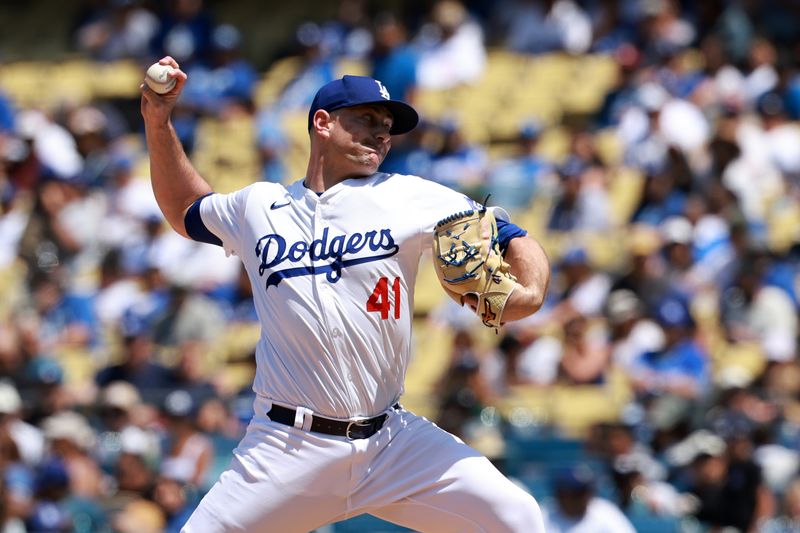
(379, 300)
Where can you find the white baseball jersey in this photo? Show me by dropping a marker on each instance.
(333, 276)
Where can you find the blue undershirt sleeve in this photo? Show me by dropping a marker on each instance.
(507, 231)
(195, 227)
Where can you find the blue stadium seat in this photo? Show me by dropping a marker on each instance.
(366, 523)
(655, 524)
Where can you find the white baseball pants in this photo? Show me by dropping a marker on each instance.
(411, 472)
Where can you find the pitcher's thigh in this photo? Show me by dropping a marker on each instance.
(429, 480)
(478, 498)
(241, 502)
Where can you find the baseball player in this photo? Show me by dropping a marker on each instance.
(333, 259)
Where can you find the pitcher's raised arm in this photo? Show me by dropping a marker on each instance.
(176, 183)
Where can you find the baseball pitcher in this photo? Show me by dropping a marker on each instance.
(333, 259)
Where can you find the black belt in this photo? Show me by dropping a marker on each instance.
(361, 428)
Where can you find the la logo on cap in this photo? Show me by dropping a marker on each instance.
(384, 90)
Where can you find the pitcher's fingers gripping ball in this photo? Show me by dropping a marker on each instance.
(467, 260)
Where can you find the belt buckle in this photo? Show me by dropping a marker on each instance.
(359, 423)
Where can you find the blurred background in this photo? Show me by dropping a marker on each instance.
(652, 146)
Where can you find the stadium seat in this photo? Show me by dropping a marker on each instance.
(655, 524)
(366, 523)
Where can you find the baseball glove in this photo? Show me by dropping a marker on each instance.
(467, 259)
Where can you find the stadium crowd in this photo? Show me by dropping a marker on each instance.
(670, 214)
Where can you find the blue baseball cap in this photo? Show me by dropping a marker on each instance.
(351, 91)
(672, 312)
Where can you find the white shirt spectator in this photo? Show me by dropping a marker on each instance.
(773, 319)
(782, 142)
(645, 336)
(457, 60)
(538, 363)
(12, 225)
(601, 516)
(53, 145)
(683, 125)
(589, 297)
(574, 24)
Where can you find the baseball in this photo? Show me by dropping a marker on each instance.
(157, 78)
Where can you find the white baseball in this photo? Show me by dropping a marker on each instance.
(157, 78)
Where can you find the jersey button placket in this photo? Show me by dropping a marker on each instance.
(327, 294)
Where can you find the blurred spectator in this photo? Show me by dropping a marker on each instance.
(762, 77)
(137, 366)
(631, 332)
(185, 33)
(752, 310)
(788, 516)
(121, 30)
(43, 390)
(28, 438)
(462, 389)
(394, 62)
(660, 200)
(9, 523)
(7, 112)
(13, 219)
(347, 35)
(779, 134)
(539, 27)
(316, 70)
(57, 508)
(16, 481)
(89, 126)
(585, 354)
(516, 180)
(623, 93)
(643, 274)
(638, 495)
(140, 516)
(217, 420)
(728, 487)
(451, 47)
(582, 200)
(174, 498)
(582, 291)
(47, 241)
(52, 146)
(458, 164)
(189, 316)
(681, 367)
(665, 31)
(504, 368)
(536, 363)
(116, 292)
(236, 299)
(577, 509)
(678, 238)
(131, 203)
(133, 473)
(272, 144)
(189, 372)
(72, 441)
(118, 432)
(52, 488)
(188, 452)
(613, 25)
(223, 86)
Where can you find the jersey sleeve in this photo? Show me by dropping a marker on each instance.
(217, 219)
